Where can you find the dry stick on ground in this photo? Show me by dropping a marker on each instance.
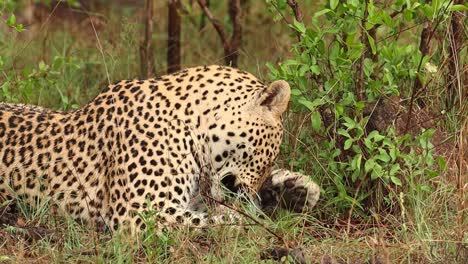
(146, 48)
(173, 37)
(231, 46)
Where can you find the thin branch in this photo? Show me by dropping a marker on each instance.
(365, 41)
(297, 12)
(231, 46)
(249, 217)
(215, 22)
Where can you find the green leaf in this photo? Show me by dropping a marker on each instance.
(315, 69)
(376, 171)
(349, 122)
(358, 161)
(408, 14)
(369, 165)
(376, 136)
(299, 26)
(333, 4)
(393, 152)
(354, 3)
(316, 121)
(428, 11)
(355, 175)
(11, 21)
(348, 143)
(383, 157)
(5, 87)
(458, 8)
(322, 12)
(290, 63)
(425, 188)
(310, 105)
(442, 163)
(19, 27)
(394, 169)
(302, 70)
(339, 109)
(295, 92)
(431, 174)
(395, 180)
(281, 4)
(344, 133)
(371, 43)
(368, 143)
(368, 67)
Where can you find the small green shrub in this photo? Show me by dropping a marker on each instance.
(36, 84)
(350, 58)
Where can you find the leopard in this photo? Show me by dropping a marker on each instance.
(146, 145)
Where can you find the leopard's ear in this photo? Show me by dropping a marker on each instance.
(276, 97)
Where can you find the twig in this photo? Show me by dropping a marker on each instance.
(230, 45)
(297, 14)
(281, 239)
(99, 46)
(365, 41)
(216, 24)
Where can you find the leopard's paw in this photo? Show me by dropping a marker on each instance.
(288, 190)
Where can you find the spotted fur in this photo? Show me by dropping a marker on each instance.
(145, 145)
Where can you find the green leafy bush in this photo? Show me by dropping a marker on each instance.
(350, 60)
(36, 84)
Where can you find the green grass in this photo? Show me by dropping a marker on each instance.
(61, 67)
